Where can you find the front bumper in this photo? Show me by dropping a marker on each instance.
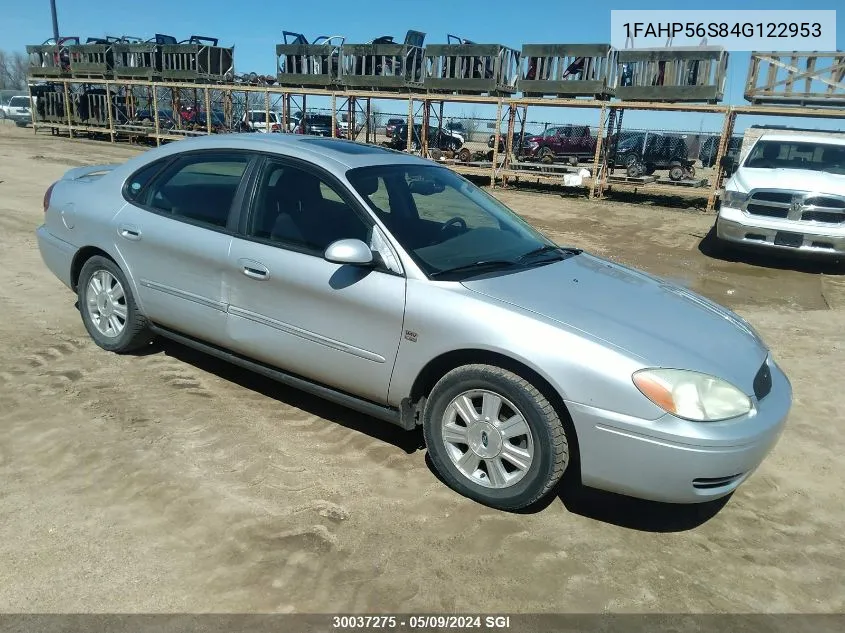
(57, 254)
(677, 461)
(738, 227)
(20, 117)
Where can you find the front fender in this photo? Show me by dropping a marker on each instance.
(441, 318)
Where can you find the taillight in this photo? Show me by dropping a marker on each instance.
(47, 195)
(275, 127)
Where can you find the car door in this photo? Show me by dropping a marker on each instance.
(336, 324)
(175, 232)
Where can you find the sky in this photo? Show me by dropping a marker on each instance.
(255, 32)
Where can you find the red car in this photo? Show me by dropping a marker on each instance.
(560, 141)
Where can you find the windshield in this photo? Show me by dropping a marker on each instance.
(442, 219)
(18, 102)
(797, 155)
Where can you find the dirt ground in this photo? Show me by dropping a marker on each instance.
(173, 482)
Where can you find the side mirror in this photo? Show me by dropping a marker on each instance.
(349, 251)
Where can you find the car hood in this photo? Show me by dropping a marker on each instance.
(662, 324)
(746, 179)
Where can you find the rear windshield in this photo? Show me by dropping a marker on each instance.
(320, 119)
(797, 155)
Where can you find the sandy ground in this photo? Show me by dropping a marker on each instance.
(173, 482)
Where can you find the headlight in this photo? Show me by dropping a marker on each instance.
(733, 198)
(691, 395)
(533, 145)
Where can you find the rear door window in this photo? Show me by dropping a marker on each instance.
(199, 188)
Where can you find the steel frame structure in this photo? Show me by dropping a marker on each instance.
(228, 103)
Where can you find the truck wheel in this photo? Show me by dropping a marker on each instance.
(464, 155)
(676, 172)
(635, 169)
(494, 437)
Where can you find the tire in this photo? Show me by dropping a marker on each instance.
(546, 155)
(635, 169)
(464, 155)
(93, 306)
(676, 172)
(499, 483)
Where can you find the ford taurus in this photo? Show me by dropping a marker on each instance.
(392, 285)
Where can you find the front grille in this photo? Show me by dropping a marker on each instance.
(824, 216)
(797, 205)
(763, 382)
(774, 196)
(823, 201)
(770, 212)
(708, 483)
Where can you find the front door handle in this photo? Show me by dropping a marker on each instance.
(254, 269)
(129, 232)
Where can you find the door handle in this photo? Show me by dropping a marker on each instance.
(253, 269)
(129, 232)
(256, 273)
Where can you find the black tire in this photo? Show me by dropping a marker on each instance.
(136, 333)
(546, 155)
(635, 169)
(676, 173)
(550, 444)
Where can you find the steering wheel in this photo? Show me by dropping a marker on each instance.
(456, 220)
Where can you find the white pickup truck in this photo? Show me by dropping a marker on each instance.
(17, 109)
(787, 194)
(256, 120)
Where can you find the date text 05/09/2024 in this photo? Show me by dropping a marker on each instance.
(387, 622)
(723, 29)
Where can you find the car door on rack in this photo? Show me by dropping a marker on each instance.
(335, 324)
(175, 233)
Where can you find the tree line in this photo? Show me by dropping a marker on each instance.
(13, 70)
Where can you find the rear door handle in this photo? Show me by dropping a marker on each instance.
(253, 269)
(129, 232)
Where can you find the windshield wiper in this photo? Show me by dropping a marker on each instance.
(480, 265)
(549, 249)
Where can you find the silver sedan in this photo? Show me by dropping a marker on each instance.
(390, 284)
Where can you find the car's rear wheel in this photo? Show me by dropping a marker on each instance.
(494, 437)
(108, 308)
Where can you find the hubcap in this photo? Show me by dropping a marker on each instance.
(487, 438)
(106, 303)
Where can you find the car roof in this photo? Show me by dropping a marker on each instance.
(805, 138)
(329, 153)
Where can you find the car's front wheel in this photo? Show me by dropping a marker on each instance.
(108, 308)
(494, 437)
